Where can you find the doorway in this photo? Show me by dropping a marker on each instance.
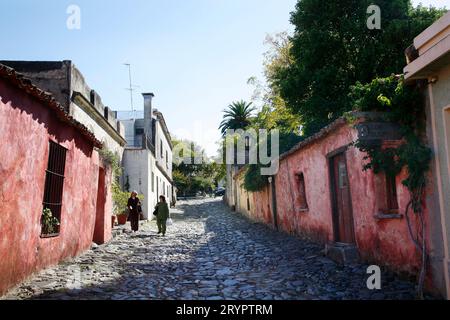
(343, 225)
(99, 230)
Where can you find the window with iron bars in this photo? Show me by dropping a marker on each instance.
(54, 181)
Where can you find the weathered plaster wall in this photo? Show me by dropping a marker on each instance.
(62, 79)
(78, 84)
(438, 193)
(385, 242)
(103, 222)
(27, 126)
(108, 141)
(51, 76)
(262, 209)
(243, 197)
(441, 98)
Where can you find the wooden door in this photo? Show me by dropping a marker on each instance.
(342, 208)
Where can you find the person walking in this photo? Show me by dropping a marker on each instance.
(134, 204)
(162, 214)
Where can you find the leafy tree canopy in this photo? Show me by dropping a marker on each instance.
(332, 49)
(191, 175)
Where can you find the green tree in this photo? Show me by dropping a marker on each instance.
(191, 176)
(273, 113)
(236, 116)
(332, 49)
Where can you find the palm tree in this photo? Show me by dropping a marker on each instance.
(236, 116)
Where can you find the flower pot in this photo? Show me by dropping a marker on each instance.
(113, 221)
(122, 219)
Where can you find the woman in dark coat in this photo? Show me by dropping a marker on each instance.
(134, 204)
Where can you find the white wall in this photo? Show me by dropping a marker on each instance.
(165, 163)
(138, 168)
(110, 143)
(129, 131)
(136, 163)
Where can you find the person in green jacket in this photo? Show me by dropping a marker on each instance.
(162, 210)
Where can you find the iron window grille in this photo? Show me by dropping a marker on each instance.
(54, 181)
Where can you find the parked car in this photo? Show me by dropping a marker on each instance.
(219, 192)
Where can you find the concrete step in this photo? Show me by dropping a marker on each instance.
(342, 253)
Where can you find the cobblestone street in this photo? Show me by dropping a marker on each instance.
(209, 253)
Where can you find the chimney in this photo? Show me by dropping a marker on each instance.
(148, 114)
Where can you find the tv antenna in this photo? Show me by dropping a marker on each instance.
(132, 87)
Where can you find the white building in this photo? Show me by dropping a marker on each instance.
(147, 159)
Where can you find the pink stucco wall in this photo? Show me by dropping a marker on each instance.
(26, 126)
(385, 242)
(103, 222)
(262, 206)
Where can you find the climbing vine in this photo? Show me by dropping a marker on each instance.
(112, 160)
(120, 198)
(402, 105)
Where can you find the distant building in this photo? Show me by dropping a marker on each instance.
(147, 158)
(49, 160)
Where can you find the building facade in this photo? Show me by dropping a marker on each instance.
(147, 158)
(429, 62)
(322, 193)
(68, 86)
(48, 160)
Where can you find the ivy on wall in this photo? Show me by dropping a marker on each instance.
(120, 198)
(403, 105)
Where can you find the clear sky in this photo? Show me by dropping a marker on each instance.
(195, 55)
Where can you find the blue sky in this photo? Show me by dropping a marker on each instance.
(195, 55)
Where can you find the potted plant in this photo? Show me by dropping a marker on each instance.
(113, 220)
(122, 217)
(50, 224)
(120, 199)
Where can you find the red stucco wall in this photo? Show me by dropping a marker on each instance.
(25, 129)
(384, 242)
(262, 208)
(103, 223)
